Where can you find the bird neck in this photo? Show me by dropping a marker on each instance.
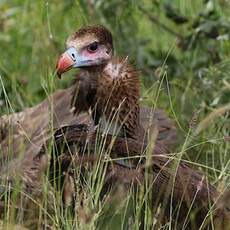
(116, 86)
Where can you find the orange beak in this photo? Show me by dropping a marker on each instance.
(71, 59)
(64, 63)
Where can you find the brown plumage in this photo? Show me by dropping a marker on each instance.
(115, 98)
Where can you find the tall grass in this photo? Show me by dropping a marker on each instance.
(32, 35)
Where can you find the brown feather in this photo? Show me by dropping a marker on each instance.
(112, 90)
(120, 94)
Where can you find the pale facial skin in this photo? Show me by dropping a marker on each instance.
(81, 52)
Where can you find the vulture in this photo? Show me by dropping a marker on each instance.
(106, 90)
(105, 95)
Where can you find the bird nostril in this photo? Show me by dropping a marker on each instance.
(73, 57)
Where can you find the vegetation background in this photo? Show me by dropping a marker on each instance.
(181, 47)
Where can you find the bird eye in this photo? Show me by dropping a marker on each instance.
(93, 47)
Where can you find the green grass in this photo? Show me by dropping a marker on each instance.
(187, 86)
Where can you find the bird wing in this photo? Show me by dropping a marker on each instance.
(165, 127)
(23, 133)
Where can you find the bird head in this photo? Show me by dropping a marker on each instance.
(89, 46)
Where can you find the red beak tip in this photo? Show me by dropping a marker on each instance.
(63, 64)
